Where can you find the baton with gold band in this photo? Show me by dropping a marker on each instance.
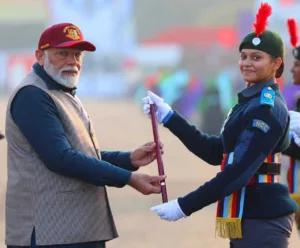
(158, 153)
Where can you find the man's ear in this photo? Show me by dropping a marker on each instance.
(40, 57)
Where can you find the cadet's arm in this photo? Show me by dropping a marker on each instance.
(208, 148)
(253, 146)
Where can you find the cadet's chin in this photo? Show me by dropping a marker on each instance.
(248, 78)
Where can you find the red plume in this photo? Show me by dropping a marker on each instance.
(262, 15)
(292, 27)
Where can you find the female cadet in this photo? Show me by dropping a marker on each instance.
(253, 135)
(293, 175)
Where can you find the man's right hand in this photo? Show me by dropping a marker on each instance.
(146, 184)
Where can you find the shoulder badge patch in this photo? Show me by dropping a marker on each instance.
(267, 97)
(261, 125)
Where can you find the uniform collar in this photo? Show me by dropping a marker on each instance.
(51, 83)
(254, 90)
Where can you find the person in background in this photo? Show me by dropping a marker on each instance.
(293, 177)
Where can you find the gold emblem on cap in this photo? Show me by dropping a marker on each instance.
(45, 46)
(72, 32)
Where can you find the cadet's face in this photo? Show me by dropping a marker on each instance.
(257, 66)
(296, 72)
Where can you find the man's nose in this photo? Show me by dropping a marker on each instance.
(71, 60)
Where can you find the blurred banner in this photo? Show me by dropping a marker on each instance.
(25, 11)
(17, 66)
(3, 74)
(109, 25)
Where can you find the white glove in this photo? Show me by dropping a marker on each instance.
(296, 136)
(162, 109)
(294, 120)
(169, 211)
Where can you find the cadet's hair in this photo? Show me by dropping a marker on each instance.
(280, 69)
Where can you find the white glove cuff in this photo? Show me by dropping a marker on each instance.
(297, 139)
(180, 210)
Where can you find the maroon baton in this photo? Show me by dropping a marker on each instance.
(158, 153)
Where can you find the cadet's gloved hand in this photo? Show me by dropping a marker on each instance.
(296, 137)
(169, 211)
(162, 109)
(295, 126)
(294, 120)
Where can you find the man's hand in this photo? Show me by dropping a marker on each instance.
(169, 211)
(146, 184)
(144, 154)
(162, 109)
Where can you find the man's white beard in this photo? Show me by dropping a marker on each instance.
(67, 81)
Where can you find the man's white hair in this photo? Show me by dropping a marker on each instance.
(67, 81)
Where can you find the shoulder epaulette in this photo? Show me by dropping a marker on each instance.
(267, 97)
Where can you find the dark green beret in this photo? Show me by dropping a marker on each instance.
(269, 42)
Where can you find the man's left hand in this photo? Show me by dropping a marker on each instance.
(169, 211)
(144, 154)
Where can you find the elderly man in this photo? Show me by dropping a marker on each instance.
(56, 193)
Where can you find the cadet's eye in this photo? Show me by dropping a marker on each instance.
(243, 57)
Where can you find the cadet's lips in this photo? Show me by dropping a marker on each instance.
(247, 72)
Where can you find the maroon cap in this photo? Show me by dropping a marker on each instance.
(64, 35)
